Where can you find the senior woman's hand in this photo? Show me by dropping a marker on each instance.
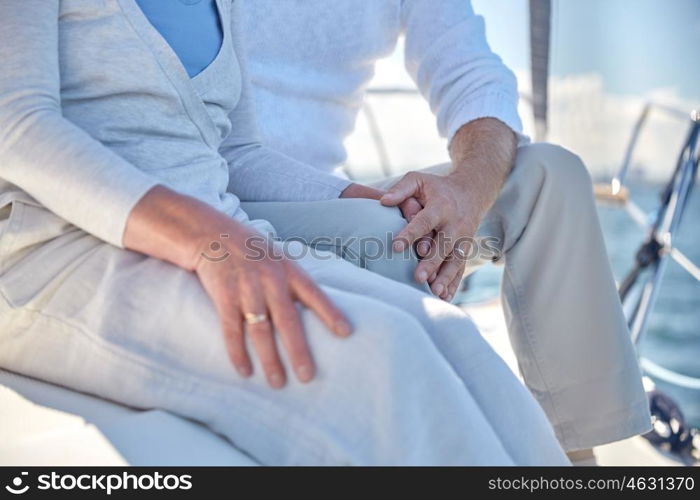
(253, 288)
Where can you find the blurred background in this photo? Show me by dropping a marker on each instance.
(607, 60)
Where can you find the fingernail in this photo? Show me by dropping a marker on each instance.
(305, 373)
(343, 328)
(276, 380)
(422, 276)
(449, 298)
(244, 371)
(398, 246)
(439, 288)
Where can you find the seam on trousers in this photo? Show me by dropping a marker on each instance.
(490, 228)
(531, 343)
(18, 210)
(530, 339)
(188, 382)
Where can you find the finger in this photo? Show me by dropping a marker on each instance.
(410, 208)
(406, 187)
(231, 320)
(448, 272)
(286, 321)
(444, 244)
(423, 246)
(315, 299)
(454, 286)
(261, 334)
(430, 264)
(432, 277)
(422, 224)
(234, 337)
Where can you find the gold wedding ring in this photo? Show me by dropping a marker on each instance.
(254, 319)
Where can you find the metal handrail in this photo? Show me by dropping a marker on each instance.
(617, 192)
(665, 226)
(619, 180)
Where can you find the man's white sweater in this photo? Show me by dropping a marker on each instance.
(311, 60)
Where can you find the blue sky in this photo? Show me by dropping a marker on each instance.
(636, 45)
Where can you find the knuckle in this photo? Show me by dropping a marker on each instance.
(444, 277)
(270, 272)
(316, 293)
(237, 355)
(433, 262)
(425, 226)
(235, 349)
(411, 175)
(277, 290)
(260, 330)
(308, 287)
(289, 323)
(297, 351)
(227, 298)
(238, 358)
(300, 277)
(232, 330)
(419, 227)
(230, 318)
(272, 366)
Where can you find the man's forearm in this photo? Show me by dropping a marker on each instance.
(482, 153)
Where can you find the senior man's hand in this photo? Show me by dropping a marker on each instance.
(482, 154)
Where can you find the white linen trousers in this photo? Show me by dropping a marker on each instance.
(414, 384)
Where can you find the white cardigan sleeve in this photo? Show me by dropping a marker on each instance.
(53, 160)
(448, 57)
(258, 173)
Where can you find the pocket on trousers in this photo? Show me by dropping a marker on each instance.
(37, 247)
(25, 224)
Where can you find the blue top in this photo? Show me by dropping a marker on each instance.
(191, 27)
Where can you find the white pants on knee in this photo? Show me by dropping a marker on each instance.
(414, 384)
